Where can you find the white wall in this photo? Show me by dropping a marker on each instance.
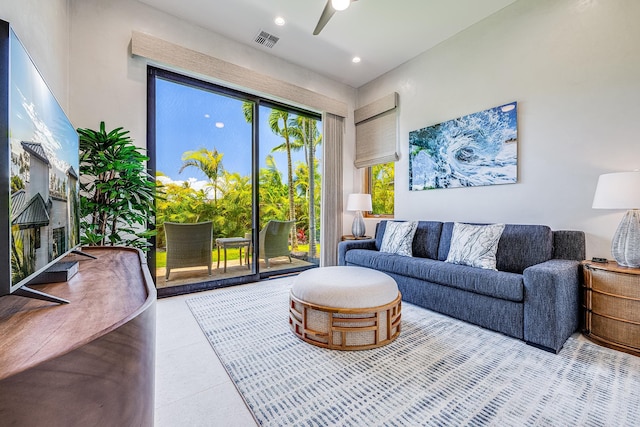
(43, 28)
(574, 68)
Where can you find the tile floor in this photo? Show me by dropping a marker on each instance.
(192, 387)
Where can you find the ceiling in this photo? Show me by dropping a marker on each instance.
(383, 33)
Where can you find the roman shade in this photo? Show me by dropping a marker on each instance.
(377, 132)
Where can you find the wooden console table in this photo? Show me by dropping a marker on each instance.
(612, 305)
(86, 363)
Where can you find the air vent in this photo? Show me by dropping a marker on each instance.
(265, 39)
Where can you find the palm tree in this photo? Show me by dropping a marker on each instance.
(306, 136)
(283, 130)
(209, 162)
(247, 110)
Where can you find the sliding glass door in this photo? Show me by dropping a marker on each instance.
(238, 168)
(290, 144)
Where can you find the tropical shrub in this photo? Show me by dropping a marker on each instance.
(116, 192)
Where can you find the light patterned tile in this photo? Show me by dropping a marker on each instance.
(219, 406)
(185, 371)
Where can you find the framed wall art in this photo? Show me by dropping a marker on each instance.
(474, 150)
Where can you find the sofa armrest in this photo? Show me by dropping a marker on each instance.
(347, 245)
(551, 303)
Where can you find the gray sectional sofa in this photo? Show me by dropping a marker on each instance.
(534, 295)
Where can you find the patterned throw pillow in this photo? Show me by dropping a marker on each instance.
(475, 245)
(398, 237)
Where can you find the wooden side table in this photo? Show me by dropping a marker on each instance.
(352, 237)
(612, 305)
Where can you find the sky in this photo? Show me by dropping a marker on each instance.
(188, 118)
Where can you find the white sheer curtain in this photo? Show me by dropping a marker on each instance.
(331, 230)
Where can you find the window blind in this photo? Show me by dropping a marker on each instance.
(377, 132)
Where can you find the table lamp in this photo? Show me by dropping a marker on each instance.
(359, 202)
(621, 190)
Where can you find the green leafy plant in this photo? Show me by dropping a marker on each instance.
(117, 192)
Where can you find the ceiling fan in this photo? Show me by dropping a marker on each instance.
(329, 9)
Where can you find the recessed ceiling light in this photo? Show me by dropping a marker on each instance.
(340, 4)
(279, 21)
(206, 116)
(356, 59)
(219, 125)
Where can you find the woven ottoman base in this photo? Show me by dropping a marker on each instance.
(338, 326)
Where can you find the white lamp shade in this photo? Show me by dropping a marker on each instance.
(619, 190)
(359, 202)
(340, 4)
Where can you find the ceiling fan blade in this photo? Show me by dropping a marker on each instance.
(327, 13)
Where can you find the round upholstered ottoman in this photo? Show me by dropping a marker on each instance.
(345, 308)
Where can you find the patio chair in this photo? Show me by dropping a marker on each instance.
(188, 245)
(274, 240)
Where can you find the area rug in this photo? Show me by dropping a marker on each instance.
(439, 372)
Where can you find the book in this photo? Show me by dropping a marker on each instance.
(59, 272)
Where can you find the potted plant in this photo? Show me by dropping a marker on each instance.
(117, 192)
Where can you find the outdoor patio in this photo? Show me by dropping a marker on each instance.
(183, 276)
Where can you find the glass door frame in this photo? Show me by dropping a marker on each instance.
(255, 275)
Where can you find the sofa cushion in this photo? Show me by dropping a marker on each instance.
(520, 246)
(426, 241)
(380, 228)
(398, 237)
(415, 267)
(498, 284)
(475, 245)
(569, 244)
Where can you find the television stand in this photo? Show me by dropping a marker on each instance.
(89, 363)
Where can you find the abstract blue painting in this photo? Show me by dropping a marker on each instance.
(474, 150)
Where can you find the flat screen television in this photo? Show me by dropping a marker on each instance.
(39, 164)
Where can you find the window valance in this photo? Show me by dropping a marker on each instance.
(164, 52)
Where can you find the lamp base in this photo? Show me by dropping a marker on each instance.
(625, 246)
(358, 228)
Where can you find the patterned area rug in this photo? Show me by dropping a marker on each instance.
(439, 372)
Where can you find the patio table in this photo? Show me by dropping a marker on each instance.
(233, 242)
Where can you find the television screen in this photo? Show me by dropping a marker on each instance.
(39, 215)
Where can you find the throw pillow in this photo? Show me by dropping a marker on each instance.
(398, 237)
(475, 245)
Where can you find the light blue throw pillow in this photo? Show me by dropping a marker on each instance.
(475, 245)
(398, 237)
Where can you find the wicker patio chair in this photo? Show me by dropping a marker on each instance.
(274, 240)
(188, 245)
